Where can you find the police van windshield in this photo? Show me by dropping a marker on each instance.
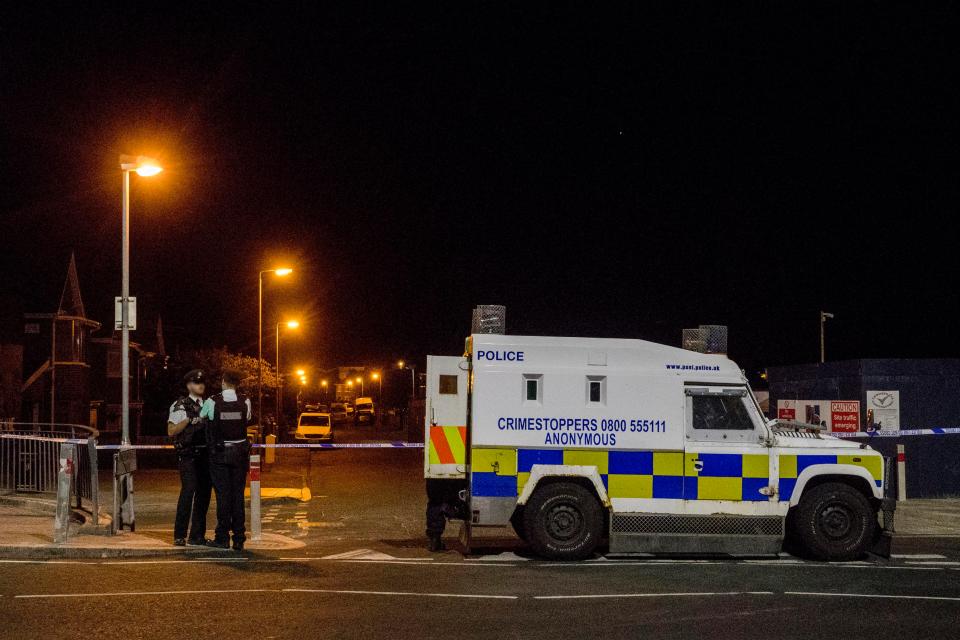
(314, 421)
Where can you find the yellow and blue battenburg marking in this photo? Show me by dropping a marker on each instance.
(791, 466)
(655, 474)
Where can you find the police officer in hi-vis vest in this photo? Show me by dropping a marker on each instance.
(190, 441)
(228, 414)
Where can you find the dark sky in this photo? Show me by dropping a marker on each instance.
(600, 172)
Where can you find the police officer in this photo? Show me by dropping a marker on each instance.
(228, 413)
(443, 502)
(190, 441)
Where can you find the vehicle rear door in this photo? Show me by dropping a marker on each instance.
(445, 421)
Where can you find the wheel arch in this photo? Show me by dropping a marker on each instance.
(586, 476)
(852, 475)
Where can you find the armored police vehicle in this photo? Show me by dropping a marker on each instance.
(654, 448)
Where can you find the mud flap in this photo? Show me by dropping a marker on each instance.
(883, 541)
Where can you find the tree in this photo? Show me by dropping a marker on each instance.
(213, 362)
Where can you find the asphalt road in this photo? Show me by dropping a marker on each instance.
(364, 573)
(449, 596)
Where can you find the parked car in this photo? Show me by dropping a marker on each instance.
(338, 412)
(365, 411)
(314, 427)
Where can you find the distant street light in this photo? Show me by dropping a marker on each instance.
(280, 271)
(413, 384)
(376, 376)
(823, 321)
(290, 324)
(143, 166)
(360, 382)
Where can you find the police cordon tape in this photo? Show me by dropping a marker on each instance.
(318, 445)
(935, 431)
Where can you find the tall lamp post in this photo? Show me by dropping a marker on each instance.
(413, 383)
(360, 381)
(143, 166)
(823, 322)
(282, 271)
(290, 324)
(376, 376)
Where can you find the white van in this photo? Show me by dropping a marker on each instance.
(314, 427)
(656, 448)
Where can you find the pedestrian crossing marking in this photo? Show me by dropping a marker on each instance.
(360, 554)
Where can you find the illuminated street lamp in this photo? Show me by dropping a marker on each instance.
(290, 324)
(360, 382)
(413, 385)
(376, 376)
(143, 166)
(280, 271)
(323, 385)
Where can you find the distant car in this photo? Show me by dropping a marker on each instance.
(338, 412)
(365, 411)
(314, 427)
(316, 408)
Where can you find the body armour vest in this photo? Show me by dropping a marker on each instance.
(229, 419)
(193, 435)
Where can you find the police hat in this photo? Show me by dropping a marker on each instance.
(195, 376)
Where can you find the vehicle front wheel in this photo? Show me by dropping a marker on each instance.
(834, 521)
(563, 521)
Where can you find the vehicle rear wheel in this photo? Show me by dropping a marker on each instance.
(834, 521)
(563, 521)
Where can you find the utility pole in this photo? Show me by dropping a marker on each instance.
(823, 321)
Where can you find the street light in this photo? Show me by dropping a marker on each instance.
(360, 382)
(279, 271)
(290, 324)
(145, 167)
(413, 385)
(323, 385)
(376, 376)
(823, 321)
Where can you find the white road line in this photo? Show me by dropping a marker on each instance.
(870, 595)
(44, 562)
(653, 595)
(143, 593)
(918, 556)
(482, 596)
(939, 563)
(185, 560)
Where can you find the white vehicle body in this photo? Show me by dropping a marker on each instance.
(670, 442)
(314, 427)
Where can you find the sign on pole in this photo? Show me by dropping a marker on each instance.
(118, 313)
(883, 410)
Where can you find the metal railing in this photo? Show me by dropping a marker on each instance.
(30, 458)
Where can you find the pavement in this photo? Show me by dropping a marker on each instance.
(359, 570)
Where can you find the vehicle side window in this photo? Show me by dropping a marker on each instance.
(533, 389)
(720, 413)
(448, 385)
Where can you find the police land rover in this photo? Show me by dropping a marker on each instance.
(654, 448)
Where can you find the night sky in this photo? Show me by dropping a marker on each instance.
(600, 172)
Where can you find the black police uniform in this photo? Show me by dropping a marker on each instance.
(194, 464)
(229, 463)
(443, 502)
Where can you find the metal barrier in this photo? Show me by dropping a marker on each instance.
(30, 461)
